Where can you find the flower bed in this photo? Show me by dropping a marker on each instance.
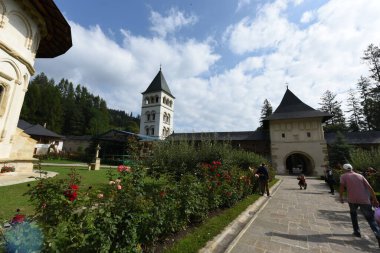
(138, 207)
(7, 168)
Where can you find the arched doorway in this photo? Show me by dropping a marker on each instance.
(297, 163)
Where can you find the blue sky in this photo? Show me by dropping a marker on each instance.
(221, 59)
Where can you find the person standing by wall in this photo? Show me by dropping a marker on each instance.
(330, 179)
(263, 179)
(359, 194)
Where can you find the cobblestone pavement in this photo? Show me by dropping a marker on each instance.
(295, 220)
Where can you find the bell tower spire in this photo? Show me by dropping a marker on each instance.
(157, 109)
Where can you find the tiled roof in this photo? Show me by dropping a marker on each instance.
(355, 138)
(114, 135)
(222, 136)
(291, 107)
(158, 84)
(37, 130)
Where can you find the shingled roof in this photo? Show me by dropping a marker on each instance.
(37, 130)
(222, 136)
(291, 107)
(159, 84)
(356, 138)
(58, 38)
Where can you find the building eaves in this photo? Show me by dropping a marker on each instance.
(58, 38)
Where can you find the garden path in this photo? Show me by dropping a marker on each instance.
(11, 178)
(311, 220)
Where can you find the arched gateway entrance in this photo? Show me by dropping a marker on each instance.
(297, 163)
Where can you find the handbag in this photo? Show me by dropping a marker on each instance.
(377, 215)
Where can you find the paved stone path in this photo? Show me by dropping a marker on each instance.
(311, 220)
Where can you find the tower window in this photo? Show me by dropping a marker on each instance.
(152, 131)
(156, 99)
(153, 116)
(283, 135)
(148, 116)
(147, 131)
(308, 134)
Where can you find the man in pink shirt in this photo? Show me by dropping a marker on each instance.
(359, 194)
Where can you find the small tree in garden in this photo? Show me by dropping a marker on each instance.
(339, 151)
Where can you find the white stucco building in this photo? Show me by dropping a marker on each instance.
(157, 110)
(28, 29)
(297, 141)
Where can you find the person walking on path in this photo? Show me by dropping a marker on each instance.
(302, 181)
(330, 179)
(359, 194)
(263, 179)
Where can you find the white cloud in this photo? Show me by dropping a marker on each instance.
(242, 3)
(325, 55)
(172, 22)
(267, 30)
(119, 73)
(307, 17)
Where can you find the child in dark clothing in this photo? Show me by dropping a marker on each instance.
(302, 181)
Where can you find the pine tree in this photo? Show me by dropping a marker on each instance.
(266, 110)
(364, 87)
(372, 58)
(333, 107)
(355, 119)
(339, 151)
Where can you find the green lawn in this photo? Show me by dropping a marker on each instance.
(12, 196)
(62, 161)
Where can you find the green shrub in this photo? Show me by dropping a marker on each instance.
(362, 159)
(136, 209)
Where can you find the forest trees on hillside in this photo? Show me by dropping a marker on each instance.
(71, 110)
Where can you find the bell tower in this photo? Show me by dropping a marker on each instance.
(157, 109)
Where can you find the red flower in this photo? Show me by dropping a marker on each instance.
(162, 194)
(122, 168)
(74, 187)
(72, 194)
(18, 218)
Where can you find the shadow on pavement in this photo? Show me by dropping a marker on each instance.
(362, 245)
